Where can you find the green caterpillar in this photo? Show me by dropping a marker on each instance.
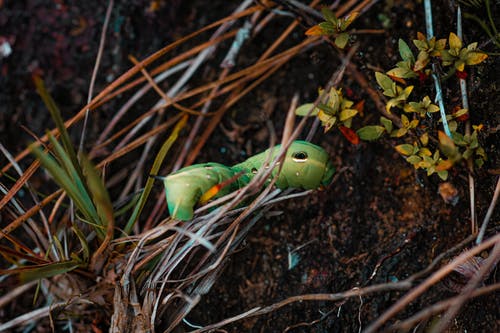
(305, 166)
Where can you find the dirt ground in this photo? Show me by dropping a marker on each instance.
(381, 221)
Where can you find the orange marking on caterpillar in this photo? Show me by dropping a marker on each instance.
(217, 187)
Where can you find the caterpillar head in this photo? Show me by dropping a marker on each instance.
(307, 166)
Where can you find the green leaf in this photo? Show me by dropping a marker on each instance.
(467, 153)
(387, 124)
(458, 139)
(327, 27)
(443, 174)
(305, 108)
(341, 40)
(370, 133)
(329, 15)
(405, 51)
(385, 82)
(414, 160)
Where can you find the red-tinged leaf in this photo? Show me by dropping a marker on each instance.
(349, 92)
(360, 106)
(461, 75)
(463, 117)
(315, 31)
(422, 77)
(397, 79)
(349, 134)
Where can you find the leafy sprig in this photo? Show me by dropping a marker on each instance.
(333, 26)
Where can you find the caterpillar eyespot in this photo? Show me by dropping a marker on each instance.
(305, 165)
(300, 156)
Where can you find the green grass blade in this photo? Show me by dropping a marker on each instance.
(59, 174)
(154, 170)
(74, 175)
(83, 243)
(64, 181)
(56, 116)
(27, 274)
(99, 193)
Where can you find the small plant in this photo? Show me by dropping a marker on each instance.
(422, 108)
(418, 153)
(390, 89)
(456, 56)
(459, 56)
(415, 125)
(333, 26)
(82, 183)
(337, 111)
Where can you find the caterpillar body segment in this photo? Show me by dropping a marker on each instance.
(184, 188)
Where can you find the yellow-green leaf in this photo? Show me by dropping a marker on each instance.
(455, 42)
(304, 109)
(384, 81)
(341, 40)
(370, 133)
(424, 138)
(405, 51)
(399, 132)
(424, 152)
(443, 174)
(405, 121)
(447, 145)
(414, 160)
(348, 19)
(474, 58)
(36, 272)
(405, 149)
(387, 124)
(347, 114)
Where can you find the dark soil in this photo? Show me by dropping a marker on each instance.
(381, 221)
